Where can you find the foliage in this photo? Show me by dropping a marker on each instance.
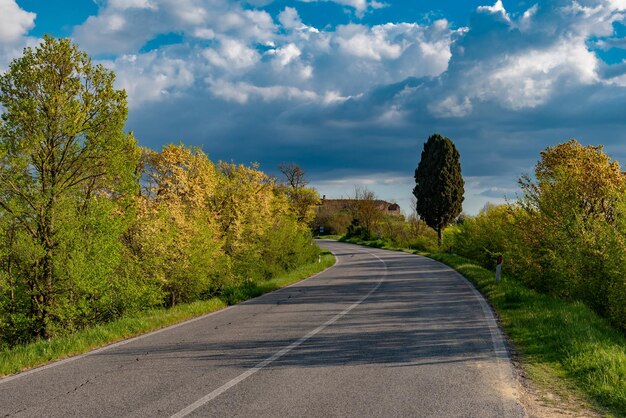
(566, 236)
(93, 228)
(485, 236)
(40, 352)
(334, 221)
(366, 212)
(67, 170)
(575, 224)
(178, 240)
(355, 230)
(303, 200)
(438, 184)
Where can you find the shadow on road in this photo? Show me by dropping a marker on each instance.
(422, 314)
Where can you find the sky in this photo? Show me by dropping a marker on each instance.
(351, 89)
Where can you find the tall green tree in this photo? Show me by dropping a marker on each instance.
(63, 154)
(439, 184)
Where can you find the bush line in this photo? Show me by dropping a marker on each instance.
(41, 352)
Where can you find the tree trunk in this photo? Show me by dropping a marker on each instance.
(47, 269)
(46, 298)
(439, 237)
(12, 307)
(11, 244)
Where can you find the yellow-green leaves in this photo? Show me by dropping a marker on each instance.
(92, 227)
(584, 178)
(567, 234)
(178, 237)
(201, 225)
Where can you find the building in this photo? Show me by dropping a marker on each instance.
(337, 205)
(334, 215)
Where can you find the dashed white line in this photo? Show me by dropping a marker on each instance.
(243, 376)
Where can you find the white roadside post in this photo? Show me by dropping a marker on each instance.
(498, 269)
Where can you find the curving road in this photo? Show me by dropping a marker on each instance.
(379, 334)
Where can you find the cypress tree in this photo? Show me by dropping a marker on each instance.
(438, 184)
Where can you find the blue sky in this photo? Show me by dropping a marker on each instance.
(351, 89)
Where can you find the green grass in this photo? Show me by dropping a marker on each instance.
(375, 243)
(556, 338)
(335, 237)
(38, 353)
(254, 289)
(565, 347)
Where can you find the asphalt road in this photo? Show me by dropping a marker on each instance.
(379, 334)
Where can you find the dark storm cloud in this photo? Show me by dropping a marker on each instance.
(356, 102)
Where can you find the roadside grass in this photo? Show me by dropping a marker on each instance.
(38, 353)
(565, 347)
(251, 290)
(335, 237)
(375, 243)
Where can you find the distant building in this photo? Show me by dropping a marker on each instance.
(334, 215)
(337, 205)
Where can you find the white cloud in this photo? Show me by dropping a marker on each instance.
(529, 78)
(360, 6)
(514, 63)
(617, 4)
(204, 33)
(393, 116)
(363, 42)
(507, 86)
(253, 25)
(15, 22)
(122, 27)
(230, 43)
(333, 97)
(289, 19)
(354, 58)
(306, 72)
(286, 54)
(527, 18)
(451, 107)
(151, 77)
(132, 4)
(190, 14)
(232, 55)
(497, 8)
(243, 92)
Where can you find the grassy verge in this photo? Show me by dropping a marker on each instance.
(250, 290)
(565, 347)
(24, 357)
(376, 243)
(335, 237)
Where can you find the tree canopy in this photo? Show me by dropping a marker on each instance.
(438, 183)
(62, 146)
(303, 199)
(93, 227)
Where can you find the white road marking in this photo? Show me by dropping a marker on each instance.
(499, 348)
(217, 392)
(158, 331)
